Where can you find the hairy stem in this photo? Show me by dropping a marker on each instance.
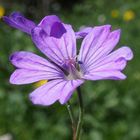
(81, 112)
(72, 120)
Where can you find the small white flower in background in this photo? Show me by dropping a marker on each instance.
(101, 18)
(6, 137)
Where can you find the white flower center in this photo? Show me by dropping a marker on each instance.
(73, 71)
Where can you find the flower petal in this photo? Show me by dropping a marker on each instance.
(57, 30)
(59, 50)
(97, 44)
(109, 67)
(107, 46)
(93, 41)
(17, 20)
(116, 60)
(104, 75)
(24, 76)
(54, 90)
(52, 26)
(68, 89)
(48, 21)
(83, 32)
(31, 61)
(32, 68)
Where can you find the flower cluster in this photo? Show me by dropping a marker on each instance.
(65, 68)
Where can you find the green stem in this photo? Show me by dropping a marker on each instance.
(72, 120)
(81, 112)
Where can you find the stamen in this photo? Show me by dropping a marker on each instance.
(73, 68)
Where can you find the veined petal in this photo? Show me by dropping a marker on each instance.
(94, 59)
(69, 87)
(32, 68)
(59, 50)
(54, 90)
(31, 61)
(83, 32)
(17, 20)
(105, 75)
(107, 46)
(116, 60)
(93, 41)
(118, 64)
(123, 52)
(101, 43)
(109, 67)
(25, 76)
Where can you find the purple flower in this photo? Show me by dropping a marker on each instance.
(51, 24)
(64, 69)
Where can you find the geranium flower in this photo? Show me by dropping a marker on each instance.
(17, 20)
(65, 69)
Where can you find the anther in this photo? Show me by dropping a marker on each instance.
(80, 62)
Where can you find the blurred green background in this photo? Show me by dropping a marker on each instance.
(112, 108)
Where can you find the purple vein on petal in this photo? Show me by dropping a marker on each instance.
(104, 49)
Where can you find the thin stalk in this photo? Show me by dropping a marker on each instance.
(81, 112)
(72, 120)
